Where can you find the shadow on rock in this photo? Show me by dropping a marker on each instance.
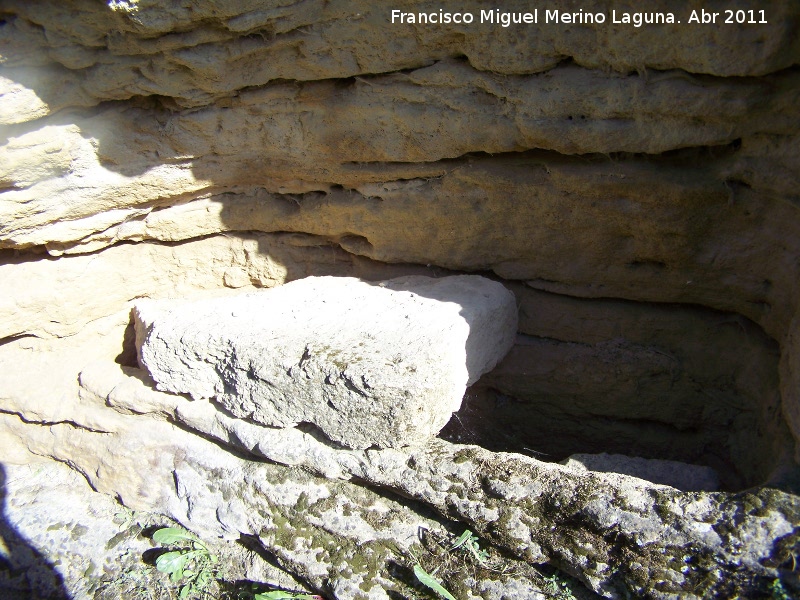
(25, 573)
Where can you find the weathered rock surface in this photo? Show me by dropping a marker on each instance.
(370, 365)
(62, 540)
(682, 476)
(681, 221)
(346, 540)
(214, 265)
(636, 187)
(197, 56)
(613, 532)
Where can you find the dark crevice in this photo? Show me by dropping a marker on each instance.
(355, 244)
(230, 233)
(19, 256)
(14, 338)
(555, 436)
(128, 355)
(318, 435)
(45, 423)
(233, 446)
(721, 317)
(10, 186)
(686, 156)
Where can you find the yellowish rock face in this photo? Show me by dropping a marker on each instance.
(633, 183)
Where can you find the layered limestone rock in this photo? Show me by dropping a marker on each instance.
(617, 534)
(635, 187)
(196, 55)
(371, 365)
(648, 229)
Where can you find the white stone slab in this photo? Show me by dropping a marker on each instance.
(369, 364)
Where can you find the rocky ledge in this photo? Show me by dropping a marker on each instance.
(633, 187)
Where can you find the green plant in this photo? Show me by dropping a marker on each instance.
(136, 582)
(454, 559)
(428, 580)
(469, 541)
(778, 591)
(191, 562)
(126, 518)
(559, 588)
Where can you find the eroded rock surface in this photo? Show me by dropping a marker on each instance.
(63, 540)
(675, 474)
(635, 187)
(617, 534)
(370, 365)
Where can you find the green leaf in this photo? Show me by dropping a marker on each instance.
(432, 583)
(172, 562)
(184, 591)
(204, 578)
(173, 535)
(467, 535)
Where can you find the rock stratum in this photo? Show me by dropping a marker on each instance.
(635, 188)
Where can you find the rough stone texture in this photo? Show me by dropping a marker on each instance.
(682, 476)
(666, 381)
(693, 237)
(680, 222)
(194, 56)
(215, 265)
(64, 540)
(615, 533)
(706, 364)
(370, 365)
(790, 378)
(637, 187)
(326, 131)
(341, 538)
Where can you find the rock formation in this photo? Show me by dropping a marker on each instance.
(381, 365)
(635, 188)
